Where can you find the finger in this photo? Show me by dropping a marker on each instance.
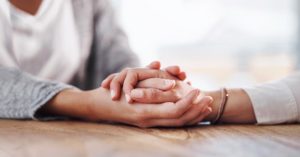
(115, 88)
(173, 70)
(135, 75)
(106, 82)
(152, 95)
(201, 117)
(182, 76)
(188, 116)
(205, 103)
(116, 85)
(154, 65)
(168, 110)
(157, 83)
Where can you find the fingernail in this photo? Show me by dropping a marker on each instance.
(209, 109)
(210, 99)
(127, 97)
(182, 76)
(197, 100)
(112, 94)
(137, 93)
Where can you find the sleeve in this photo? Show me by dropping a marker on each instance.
(278, 101)
(110, 50)
(21, 95)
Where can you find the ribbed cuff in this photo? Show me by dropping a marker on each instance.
(51, 91)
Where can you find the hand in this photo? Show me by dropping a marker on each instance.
(95, 105)
(154, 90)
(114, 82)
(149, 91)
(157, 90)
(180, 113)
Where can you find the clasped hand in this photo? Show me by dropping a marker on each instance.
(154, 97)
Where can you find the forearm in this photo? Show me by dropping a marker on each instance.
(22, 94)
(238, 108)
(70, 103)
(92, 105)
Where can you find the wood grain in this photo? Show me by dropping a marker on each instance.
(80, 139)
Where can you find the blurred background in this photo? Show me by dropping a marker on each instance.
(218, 42)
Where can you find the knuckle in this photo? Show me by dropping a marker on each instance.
(125, 70)
(114, 83)
(161, 74)
(130, 71)
(153, 93)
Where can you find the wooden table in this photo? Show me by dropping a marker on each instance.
(74, 138)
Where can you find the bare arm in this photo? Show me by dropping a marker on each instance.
(96, 105)
(274, 102)
(238, 107)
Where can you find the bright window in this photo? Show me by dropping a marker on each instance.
(228, 42)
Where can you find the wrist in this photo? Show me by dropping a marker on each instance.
(69, 102)
(217, 98)
(99, 106)
(237, 110)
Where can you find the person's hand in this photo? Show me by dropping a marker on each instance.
(151, 89)
(128, 78)
(187, 111)
(158, 90)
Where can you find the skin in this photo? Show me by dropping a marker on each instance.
(94, 105)
(182, 109)
(97, 105)
(238, 107)
(29, 6)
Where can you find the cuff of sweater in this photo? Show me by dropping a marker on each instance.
(52, 90)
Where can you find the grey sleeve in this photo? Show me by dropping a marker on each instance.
(21, 95)
(110, 50)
